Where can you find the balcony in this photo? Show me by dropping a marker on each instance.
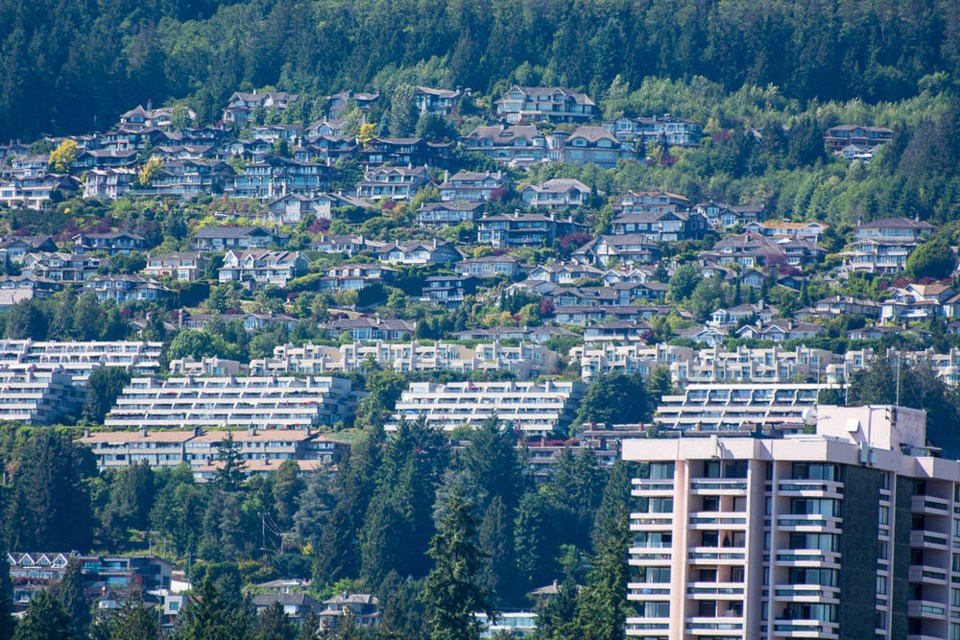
(716, 590)
(810, 489)
(813, 523)
(648, 591)
(928, 575)
(715, 626)
(807, 593)
(929, 505)
(717, 555)
(926, 610)
(807, 557)
(713, 519)
(929, 540)
(644, 626)
(806, 629)
(719, 486)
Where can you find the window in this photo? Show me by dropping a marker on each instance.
(661, 470)
(660, 505)
(814, 506)
(815, 471)
(881, 586)
(711, 503)
(884, 515)
(708, 609)
(821, 541)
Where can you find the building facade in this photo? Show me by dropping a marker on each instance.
(845, 533)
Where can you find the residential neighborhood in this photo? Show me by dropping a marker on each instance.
(294, 346)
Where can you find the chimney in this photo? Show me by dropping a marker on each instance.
(143, 432)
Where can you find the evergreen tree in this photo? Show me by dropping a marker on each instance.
(452, 592)
(380, 537)
(287, 486)
(219, 612)
(491, 467)
(603, 602)
(535, 541)
(45, 619)
(49, 507)
(338, 552)
(232, 467)
(313, 509)
(131, 498)
(6, 597)
(273, 624)
(72, 599)
(104, 386)
(556, 616)
(309, 627)
(614, 399)
(134, 621)
(499, 574)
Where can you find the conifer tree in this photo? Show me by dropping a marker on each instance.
(72, 599)
(452, 591)
(45, 620)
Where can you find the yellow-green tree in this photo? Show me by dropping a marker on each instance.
(63, 156)
(368, 131)
(149, 171)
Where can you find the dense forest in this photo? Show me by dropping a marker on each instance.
(75, 65)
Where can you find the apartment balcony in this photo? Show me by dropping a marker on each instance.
(927, 575)
(719, 486)
(812, 523)
(734, 521)
(784, 628)
(648, 591)
(652, 488)
(929, 540)
(717, 556)
(926, 610)
(647, 627)
(716, 626)
(733, 591)
(651, 521)
(655, 555)
(813, 593)
(807, 558)
(810, 489)
(930, 506)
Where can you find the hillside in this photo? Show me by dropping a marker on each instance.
(75, 65)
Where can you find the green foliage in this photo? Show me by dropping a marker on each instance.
(614, 399)
(932, 259)
(72, 599)
(134, 621)
(231, 465)
(452, 591)
(218, 612)
(603, 603)
(45, 620)
(47, 505)
(684, 282)
(104, 386)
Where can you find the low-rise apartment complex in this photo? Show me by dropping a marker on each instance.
(524, 360)
(264, 402)
(533, 408)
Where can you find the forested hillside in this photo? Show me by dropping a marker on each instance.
(74, 65)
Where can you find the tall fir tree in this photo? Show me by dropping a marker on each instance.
(452, 591)
(45, 619)
(72, 599)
